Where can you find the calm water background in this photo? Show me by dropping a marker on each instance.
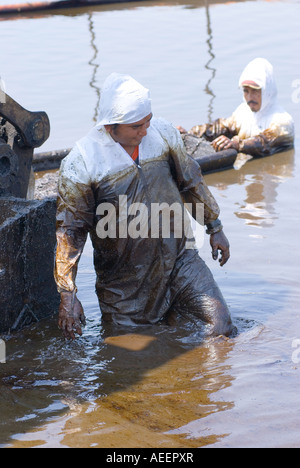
(156, 386)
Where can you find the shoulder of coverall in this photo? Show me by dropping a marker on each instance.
(79, 165)
(73, 167)
(168, 132)
(93, 156)
(284, 120)
(240, 113)
(276, 115)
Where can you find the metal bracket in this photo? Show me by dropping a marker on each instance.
(20, 132)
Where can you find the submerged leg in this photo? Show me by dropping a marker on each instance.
(199, 295)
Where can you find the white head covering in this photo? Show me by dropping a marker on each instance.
(260, 71)
(123, 100)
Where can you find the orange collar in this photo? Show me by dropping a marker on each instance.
(135, 154)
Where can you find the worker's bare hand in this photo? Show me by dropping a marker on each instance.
(181, 129)
(220, 242)
(223, 143)
(71, 315)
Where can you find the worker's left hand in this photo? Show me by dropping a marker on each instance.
(223, 143)
(220, 242)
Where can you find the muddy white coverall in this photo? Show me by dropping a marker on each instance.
(139, 280)
(142, 276)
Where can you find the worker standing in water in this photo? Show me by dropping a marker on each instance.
(131, 163)
(259, 126)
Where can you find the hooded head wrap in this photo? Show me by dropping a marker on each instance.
(123, 100)
(260, 71)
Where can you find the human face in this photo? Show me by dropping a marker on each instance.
(253, 98)
(130, 135)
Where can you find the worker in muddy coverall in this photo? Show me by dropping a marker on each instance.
(130, 163)
(259, 126)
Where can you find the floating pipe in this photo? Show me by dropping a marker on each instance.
(209, 163)
(42, 6)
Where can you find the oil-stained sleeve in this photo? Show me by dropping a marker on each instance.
(187, 173)
(277, 138)
(227, 127)
(75, 214)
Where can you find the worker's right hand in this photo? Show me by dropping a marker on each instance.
(71, 315)
(223, 143)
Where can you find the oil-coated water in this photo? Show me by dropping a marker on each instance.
(159, 386)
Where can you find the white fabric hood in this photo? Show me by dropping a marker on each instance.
(261, 72)
(123, 100)
(271, 113)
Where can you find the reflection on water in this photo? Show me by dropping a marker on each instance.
(95, 66)
(260, 180)
(126, 387)
(208, 66)
(127, 380)
(259, 208)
